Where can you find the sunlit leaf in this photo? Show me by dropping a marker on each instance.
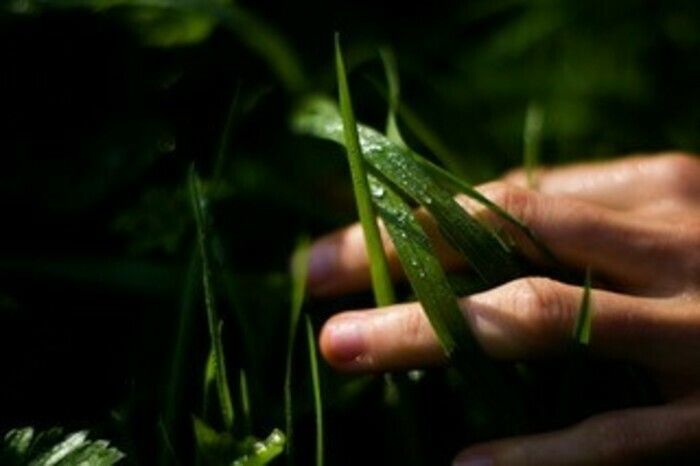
(24, 447)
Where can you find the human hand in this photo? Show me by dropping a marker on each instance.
(636, 223)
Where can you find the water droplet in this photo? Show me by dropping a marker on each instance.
(377, 190)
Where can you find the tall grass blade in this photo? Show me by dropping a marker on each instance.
(216, 362)
(316, 384)
(490, 258)
(299, 272)
(392, 77)
(582, 328)
(379, 268)
(532, 142)
(245, 402)
(175, 382)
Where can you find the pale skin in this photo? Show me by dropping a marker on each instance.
(636, 223)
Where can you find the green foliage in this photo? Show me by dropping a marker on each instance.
(486, 253)
(24, 446)
(222, 449)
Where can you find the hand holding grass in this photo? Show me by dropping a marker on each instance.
(636, 223)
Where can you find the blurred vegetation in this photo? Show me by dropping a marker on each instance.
(109, 102)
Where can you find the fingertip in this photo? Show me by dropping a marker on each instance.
(323, 258)
(342, 340)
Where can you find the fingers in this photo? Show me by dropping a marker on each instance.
(622, 184)
(522, 319)
(626, 250)
(660, 435)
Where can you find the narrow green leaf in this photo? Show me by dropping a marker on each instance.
(245, 402)
(423, 270)
(216, 362)
(316, 384)
(299, 272)
(392, 77)
(379, 269)
(532, 142)
(483, 249)
(582, 328)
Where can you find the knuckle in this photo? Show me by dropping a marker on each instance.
(517, 201)
(680, 173)
(413, 326)
(542, 305)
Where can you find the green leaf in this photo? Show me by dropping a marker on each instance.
(245, 402)
(299, 272)
(582, 327)
(392, 77)
(379, 268)
(216, 363)
(316, 384)
(483, 249)
(21, 447)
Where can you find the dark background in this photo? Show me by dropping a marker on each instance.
(105, 109)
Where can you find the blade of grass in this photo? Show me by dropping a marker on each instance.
(316, 384)
(175, 384)
(215, 326)
(379, 268)
(532, 142)
(582, 328)
(483, 249)
(392, 77)
(299, 272)
(245, 403)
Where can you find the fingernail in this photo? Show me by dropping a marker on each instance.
(346, 339)
(471, 459)
(321, 262)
